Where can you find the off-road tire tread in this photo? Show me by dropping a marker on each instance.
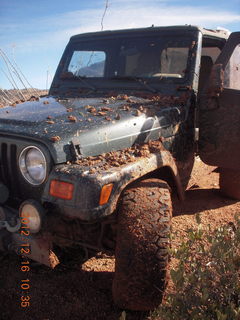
(142, 256)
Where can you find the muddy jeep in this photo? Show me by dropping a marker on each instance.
(93, 165)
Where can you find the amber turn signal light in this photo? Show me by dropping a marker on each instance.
(105, 193)
(60, 189)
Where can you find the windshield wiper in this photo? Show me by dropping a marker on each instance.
(137, 79)
(70, 75)
(84, 81)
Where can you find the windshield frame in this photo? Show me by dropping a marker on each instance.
(109, 82)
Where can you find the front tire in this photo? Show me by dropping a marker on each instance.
(142, 245)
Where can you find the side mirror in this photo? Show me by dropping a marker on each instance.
(216, 80)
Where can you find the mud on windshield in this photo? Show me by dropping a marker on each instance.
(142, 57)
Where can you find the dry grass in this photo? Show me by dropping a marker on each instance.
(10, 97)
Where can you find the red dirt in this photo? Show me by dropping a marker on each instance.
(84, 292)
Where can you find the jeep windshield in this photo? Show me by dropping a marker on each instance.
(128, 58)
(146, 60)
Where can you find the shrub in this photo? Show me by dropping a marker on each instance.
(207, 277)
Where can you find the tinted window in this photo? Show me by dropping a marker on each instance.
(147, 57)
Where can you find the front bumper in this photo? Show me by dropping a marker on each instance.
(38, 248)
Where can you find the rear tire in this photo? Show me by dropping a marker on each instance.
(229, 182)
(142, 245)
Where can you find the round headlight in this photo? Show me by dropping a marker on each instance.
(33, 165)
(31, 214)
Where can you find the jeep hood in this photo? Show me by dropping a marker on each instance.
(91, 126)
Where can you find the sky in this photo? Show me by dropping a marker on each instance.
(34, 33)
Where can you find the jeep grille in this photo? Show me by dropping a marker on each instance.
(8, 167)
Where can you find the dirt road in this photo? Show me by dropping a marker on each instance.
(78, 292)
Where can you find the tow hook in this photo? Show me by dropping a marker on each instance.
(5, 224)
(9, 220)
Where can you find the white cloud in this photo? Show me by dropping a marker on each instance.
(168, 15)
(55, 30)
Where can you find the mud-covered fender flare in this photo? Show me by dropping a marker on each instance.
(144, 167)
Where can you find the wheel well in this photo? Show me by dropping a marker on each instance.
(164, 173)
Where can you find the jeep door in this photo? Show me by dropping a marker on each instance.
(219, 109)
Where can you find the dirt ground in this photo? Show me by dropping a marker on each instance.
(83, 292)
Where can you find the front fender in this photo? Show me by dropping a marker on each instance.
(87, 186)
